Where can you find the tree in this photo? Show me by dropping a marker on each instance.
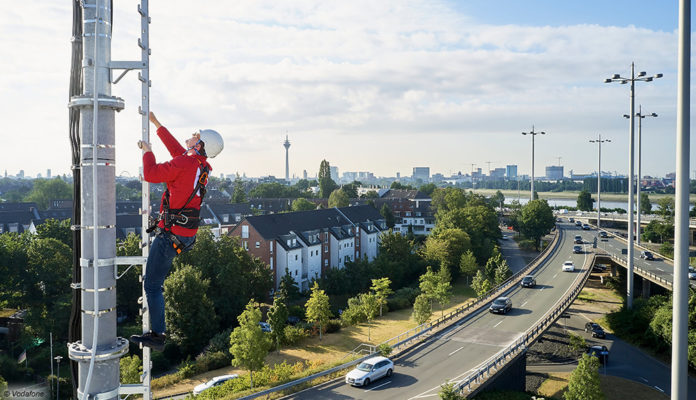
(502, 273)
(666, 207)
(189, 313)
(351, 190)
(427, 189)
(498, 199)
(302, 204)
(388, 215)
(448, 391)
(326, 184)
(277, 318)
(585, 201)
(536, 220)
(288, 285)
(46, 190)
(370, 194)
(443, 291)
(583, 383)
(239, 195)
(421, 309)
(370, 305)
(481, 284)
(129, 286)
(130, 367)
(318, 308)
(428, 285)
(354, 313)
(249, 344)
(382, 290)
(645, 204)
(492, 264)
(467, 265)
(338, 198)
(52, 228)
(446, 246)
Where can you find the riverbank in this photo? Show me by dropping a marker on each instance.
(573, 195)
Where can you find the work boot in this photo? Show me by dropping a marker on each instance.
(151, 339)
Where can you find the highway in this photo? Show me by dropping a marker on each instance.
(455, 352)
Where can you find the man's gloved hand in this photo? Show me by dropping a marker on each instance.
(144, 145)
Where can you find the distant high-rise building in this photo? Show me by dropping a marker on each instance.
(497, 173)
(398, 175)
(334, 173)
(48, 173)
(511, 171)
(286, 144)
(304, 174)
(554, 172)
(20, 174)
(422, 173)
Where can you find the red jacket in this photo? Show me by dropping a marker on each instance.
(180, 174)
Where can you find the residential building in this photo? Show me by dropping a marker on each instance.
(411, 209)
(306, 243)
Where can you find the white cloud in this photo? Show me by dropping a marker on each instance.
(368, 85)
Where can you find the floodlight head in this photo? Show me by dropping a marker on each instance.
(658, 76)
(593, 141)
(653, 115)
(616, 76)
(626, 116)
(608, 140)
(625, 81)
(649, 79)
(608, 80)
(543, 133)
(641, 73)
(524, 133)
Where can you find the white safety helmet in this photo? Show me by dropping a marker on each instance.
(213, 142)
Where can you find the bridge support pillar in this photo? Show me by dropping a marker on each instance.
(613, 271)
(646, 289)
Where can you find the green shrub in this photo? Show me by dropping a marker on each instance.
(10, 370)
(576, 342)
(210, 361)
(296, 311)
(294, 334)
(333, 325)
(187, 369)
(220, 342)
(526, 244)
(398, 303)
(408, 293)
(384, 350)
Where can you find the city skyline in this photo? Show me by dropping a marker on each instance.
(369, 86)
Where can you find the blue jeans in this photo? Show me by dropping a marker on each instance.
(159, 262)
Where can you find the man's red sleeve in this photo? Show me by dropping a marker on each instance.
(175, 149)
(158, 173)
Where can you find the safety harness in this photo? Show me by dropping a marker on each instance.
(188, 218)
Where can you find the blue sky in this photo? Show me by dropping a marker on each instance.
(379, 86)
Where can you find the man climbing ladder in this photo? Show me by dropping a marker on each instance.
(177, 224)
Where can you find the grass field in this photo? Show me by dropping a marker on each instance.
(613, 388)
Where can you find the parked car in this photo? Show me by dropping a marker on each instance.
(501, 305)
(577, 249)
(265, 326)
(577, 239)
(648, 256)
(586, 227)
(528, 281)
(595, 329)
(369, 371)
(603, 234)
(293, 320)
(692, 272)
(599, 268)
(600, 352)
(568, 266)
(217, 381)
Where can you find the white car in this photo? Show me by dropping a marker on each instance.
(370, 370)
(217, 381)
(568, 266)
(692, 272)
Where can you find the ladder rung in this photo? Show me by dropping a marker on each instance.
(131, 260)
(133, 389)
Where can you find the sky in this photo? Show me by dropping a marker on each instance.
(380, 86)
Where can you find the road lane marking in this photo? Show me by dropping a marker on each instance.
(522, 305)
(498, 323)
(455, 351)
(658, 388)
(660, 269)
(544, 288)
(643, 378)
(554, 277)
(377, 387)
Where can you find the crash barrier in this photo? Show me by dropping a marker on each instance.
(640, 271)
(475, 381)
(424, 331)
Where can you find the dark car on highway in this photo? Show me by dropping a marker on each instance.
(600, 352)
(595, 329)
(501, 305)
(577, 249)
(603, 234)
(648, 256)
(578, 239)
(528, 281)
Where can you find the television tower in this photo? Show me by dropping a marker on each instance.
(286, 144)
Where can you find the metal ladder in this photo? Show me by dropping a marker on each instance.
(143, 388)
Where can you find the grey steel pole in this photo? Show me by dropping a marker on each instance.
(531, 194)
(680, 295)
(631, 243)
(99, 350)
(640, 125)
(599, 181)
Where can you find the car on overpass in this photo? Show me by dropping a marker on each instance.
(647, 255)
(370, 370)
(577, 239)
(501, 305)
(568, 266)
(586, 227)
(603, 234)
(595, 329)
(528, 281)
(601, 352)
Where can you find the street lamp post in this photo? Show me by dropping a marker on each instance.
(532, 133)
(640, 116)
(599, 142)
(633, 79)
(58, 358)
